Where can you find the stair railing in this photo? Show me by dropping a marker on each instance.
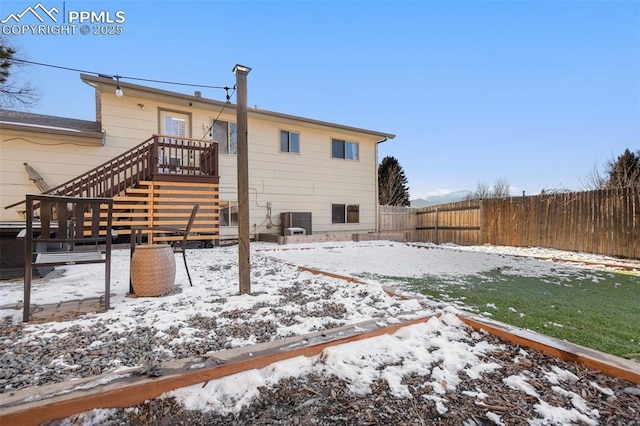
(114, 176)
(160, 154)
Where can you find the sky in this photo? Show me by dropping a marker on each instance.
(534, 92)
(443, 349)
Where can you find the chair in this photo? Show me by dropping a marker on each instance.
(67, 225)
(136, 238)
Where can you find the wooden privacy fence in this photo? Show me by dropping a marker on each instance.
(454, 222)
(399, 221)
(604, 221)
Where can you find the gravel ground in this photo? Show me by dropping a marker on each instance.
(39, 354)
(326, 400)
(35, 355)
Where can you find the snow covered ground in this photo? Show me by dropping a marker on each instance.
(416, 349)
(376, 257)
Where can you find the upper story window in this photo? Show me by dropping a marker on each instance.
(344, 149)
(175, 123)
(289, 141)
(227, 136)
(174, 126)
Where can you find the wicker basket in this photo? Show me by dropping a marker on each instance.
(153, 270)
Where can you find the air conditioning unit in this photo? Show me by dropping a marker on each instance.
(295, 231)
(295, 220)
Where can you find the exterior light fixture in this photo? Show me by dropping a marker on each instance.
(119, 91)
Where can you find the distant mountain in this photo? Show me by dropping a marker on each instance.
(434, 200)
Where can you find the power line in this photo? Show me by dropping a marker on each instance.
(220, 113)
(120, 76)
(52, 66)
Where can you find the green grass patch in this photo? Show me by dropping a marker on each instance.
(597, 309)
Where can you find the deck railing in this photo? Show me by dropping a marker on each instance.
(159, 155)
(182, 156)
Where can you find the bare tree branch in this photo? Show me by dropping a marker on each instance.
(620, 172)
(12, 93)
(501, 188)
(593, 180)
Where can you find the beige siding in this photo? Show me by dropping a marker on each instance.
(57, 158)
(308, 182)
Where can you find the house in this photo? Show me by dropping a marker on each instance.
(158, 152)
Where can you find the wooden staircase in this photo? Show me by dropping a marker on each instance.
(157, 183)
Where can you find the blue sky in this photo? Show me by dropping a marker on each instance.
(536, 92)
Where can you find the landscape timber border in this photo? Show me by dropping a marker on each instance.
(132, 386)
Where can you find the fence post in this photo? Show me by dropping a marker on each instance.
(480, 218)
(437, 240)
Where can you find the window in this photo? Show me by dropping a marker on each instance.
(353, 213)
(289, 141)
(228, 213)
(341, 213)
(174, 123)
(344, 149)
(227, 136)
(174, 126)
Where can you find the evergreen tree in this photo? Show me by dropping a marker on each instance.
(624, 171)
(392, 184)
(13, 94)
(6, 53)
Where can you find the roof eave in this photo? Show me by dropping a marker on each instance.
(49, 131)
(99, 82)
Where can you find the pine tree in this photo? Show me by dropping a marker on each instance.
(624, 171)
(6, 53)
(13, 94)
(392, 184)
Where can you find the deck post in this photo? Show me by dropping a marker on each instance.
(243, 180)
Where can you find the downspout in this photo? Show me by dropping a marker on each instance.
(376, 185)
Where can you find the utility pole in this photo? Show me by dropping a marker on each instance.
(243, 179)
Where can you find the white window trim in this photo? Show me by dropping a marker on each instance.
(228, 147)
(346, 214)
(228, 208)
(289, 142)
(345, 142)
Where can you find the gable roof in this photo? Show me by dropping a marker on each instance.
(109, 84)
(18, 120)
